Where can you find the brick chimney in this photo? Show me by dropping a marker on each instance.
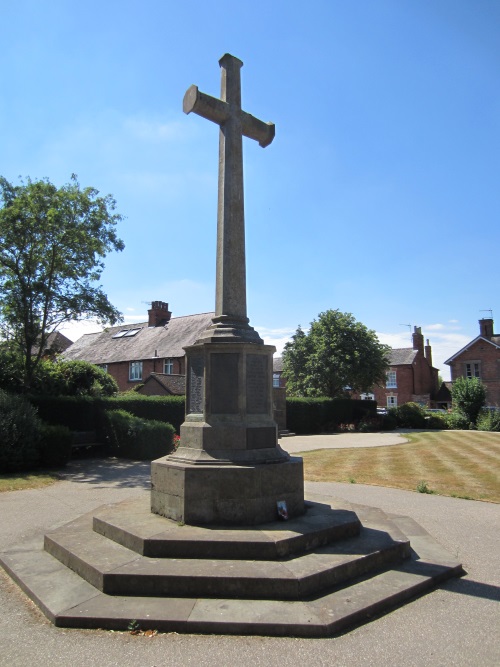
(486, 328)
(158, 314)
(428, 352)
(418, 339)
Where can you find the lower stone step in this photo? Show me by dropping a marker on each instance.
(68, 601)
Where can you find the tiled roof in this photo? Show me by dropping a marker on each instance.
(56, 342)
(278, 364)
(174, 384)
(163, 342)
(402, 356)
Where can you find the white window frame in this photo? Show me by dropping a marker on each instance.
(392, 401)
(135, 371)
(391, 381)
(367, 397)
(276, 379)
(103, 367)
(168, 366)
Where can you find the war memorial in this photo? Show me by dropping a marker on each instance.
(226, 542)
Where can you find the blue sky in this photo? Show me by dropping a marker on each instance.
(379, 195)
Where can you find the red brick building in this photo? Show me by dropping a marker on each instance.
(131, 353)
(480, 358)
(411, 376)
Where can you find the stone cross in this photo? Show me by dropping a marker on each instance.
(230, 300)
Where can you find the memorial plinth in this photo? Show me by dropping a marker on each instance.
(229, 467)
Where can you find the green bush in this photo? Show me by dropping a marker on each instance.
(469, 397)
(131, 437)
(19, 433)
(55, 445)
(389, 423)
(456, 421)
(489, 420)
(409, 415)
(438, 422)
(72, 378)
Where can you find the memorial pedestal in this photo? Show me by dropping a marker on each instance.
(229, 467)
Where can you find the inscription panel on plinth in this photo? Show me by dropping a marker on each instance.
(196, 372)
(224, 391)
(257, 384)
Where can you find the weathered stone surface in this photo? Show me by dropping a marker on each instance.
(244, 494)
(316, 592)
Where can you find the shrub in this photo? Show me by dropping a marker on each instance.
(458, 422)
(469, 396)
(489, 420)
(409, 415)
(169, 409)
(131, 437)
(438, 422)
(19, 433)
(55, 445)
(389, 423)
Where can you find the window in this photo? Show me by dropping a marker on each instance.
(168, 366)
(126, 333)
(367, 397)
(103, 367)
(472, 370)
(392, 401)
(391, 380)
(276, 379)
(135, 370)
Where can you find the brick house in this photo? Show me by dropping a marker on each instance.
(480, 358)
(411, 376)
(131, 353)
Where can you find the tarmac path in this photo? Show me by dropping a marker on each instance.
(458, 624)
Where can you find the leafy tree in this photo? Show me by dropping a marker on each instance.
(468, 397)
(52, 245)
(336, 357)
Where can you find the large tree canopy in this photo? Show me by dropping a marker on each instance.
(337, 356)
(52, 245)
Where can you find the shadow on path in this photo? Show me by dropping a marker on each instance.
(119, 473)
(472, 588)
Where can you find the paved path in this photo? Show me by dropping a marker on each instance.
(307, 443)
(456, 625)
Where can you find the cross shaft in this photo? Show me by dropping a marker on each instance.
(234, 123)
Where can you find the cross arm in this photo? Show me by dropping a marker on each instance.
(256, 129)
(205, 105)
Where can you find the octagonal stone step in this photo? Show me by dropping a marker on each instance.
(131, 524)
(116, 570)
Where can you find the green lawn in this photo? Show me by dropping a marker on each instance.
(463, 464)
(26, 480)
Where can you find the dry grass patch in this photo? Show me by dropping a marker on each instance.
(19, 481)
(463, 464)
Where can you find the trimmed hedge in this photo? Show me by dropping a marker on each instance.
(78, 413)
(85, 413)
(55, 445)
(19, 433)
(168, 409)
(131, 437)
(316, 415)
